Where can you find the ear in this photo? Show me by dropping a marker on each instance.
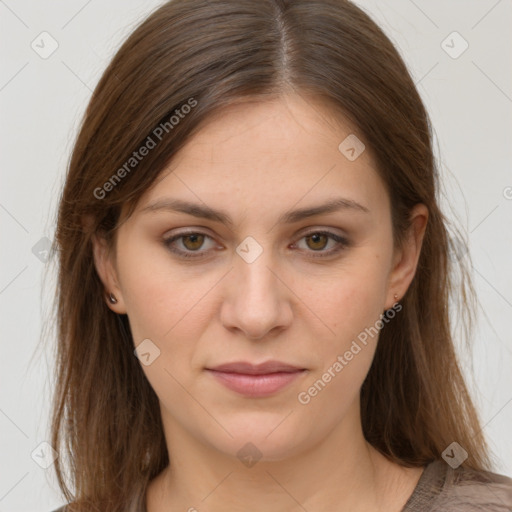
(105, 267)
(405, 259)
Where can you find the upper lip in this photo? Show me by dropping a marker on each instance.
(246, 368)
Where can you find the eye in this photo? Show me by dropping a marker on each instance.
(317, 241)
(192, 241)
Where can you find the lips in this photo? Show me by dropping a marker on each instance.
(258, 369)
(256, 380)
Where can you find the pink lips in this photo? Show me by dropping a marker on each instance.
(256, 380)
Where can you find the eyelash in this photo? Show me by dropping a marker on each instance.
(343, 243)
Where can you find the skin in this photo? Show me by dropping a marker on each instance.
(256, 161)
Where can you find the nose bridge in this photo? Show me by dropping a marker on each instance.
(254, 279)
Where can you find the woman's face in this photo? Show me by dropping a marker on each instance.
(255, 275)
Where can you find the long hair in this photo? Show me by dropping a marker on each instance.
(106, 421)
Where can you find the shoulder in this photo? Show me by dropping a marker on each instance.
(465, 489)
(136, 504)
(478, 490)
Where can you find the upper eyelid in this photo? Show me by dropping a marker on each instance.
(205, 230)
(199, 231)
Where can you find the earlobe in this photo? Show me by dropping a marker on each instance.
(107, 274)
(112, 298)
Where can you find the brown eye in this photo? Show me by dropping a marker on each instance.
(318, 241)
(189, 245)
(320, 244)
(195, 241)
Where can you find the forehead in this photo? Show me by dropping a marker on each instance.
(278, 152)
(289, 125)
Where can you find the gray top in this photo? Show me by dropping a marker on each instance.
(440, 489)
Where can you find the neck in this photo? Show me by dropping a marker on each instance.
(341, 472)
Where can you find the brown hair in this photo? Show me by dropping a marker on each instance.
(106, 416)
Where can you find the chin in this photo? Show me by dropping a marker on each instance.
(263, 439)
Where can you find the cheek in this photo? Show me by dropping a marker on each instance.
(163, 308)
(349, 298)
(352, 310)
(333, 393)
(160, 299)
(172, 309)
(350, 304)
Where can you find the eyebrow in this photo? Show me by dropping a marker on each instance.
(289, 217)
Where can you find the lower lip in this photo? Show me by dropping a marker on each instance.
(256, 385)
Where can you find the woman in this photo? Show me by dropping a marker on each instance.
(255, 277)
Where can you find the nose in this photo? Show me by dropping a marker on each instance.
(257, 300)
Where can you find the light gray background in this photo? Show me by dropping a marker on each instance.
(470, 102)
